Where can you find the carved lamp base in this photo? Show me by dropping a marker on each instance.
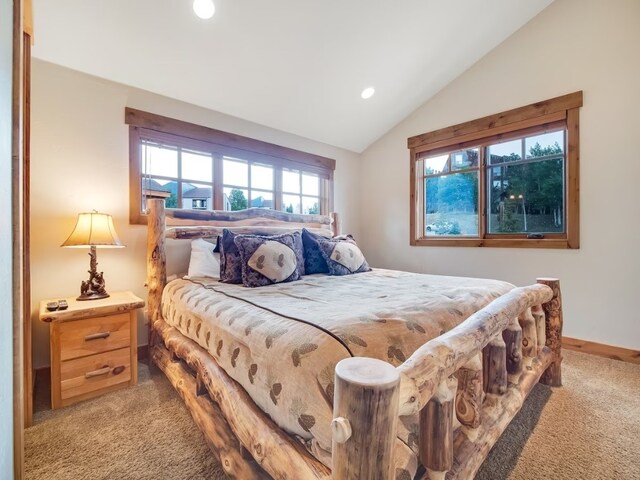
(93, 289)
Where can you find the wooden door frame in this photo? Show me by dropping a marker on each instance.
(21, 308)
(27, 40)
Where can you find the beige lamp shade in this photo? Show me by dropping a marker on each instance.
(93, 230)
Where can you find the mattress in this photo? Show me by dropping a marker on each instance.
(282, 342)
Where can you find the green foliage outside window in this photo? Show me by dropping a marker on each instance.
(529, 191)
(237, 200)
(172, 201)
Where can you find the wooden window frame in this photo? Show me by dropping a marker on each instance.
(145, 125)
(559, 112)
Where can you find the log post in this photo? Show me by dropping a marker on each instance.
(365, 421)
(553, 323)
(512, 337)
(335, 226)
(436, 430)
(539, 317)
(529, 338)
(470, 395)
(156, 263)
(494, 366)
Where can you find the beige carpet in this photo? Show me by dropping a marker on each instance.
(589, 429)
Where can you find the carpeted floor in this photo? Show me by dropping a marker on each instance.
(588, 429)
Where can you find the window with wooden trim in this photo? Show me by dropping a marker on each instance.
(507, 180)
(199, 168)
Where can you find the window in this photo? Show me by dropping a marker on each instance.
(509, 180)
(198, 168)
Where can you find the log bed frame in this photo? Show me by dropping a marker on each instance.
(466, 385)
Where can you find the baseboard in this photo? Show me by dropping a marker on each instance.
(602, 350)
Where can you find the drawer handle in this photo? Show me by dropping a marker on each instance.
(96, 336)
(97, 373)
(104, 371)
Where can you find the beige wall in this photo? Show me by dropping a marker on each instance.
(588, 45)
(80, 162)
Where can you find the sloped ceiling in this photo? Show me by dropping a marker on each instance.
(293, 65)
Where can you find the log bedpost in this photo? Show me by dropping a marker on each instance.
(335, 226)
(470, 394)
(512, 337)
(553, 313)
(365, 421)
(436, 430)
(156, 262)
(494, 366)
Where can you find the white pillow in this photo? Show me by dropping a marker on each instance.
(203, 262)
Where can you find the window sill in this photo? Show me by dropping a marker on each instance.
(560, 243)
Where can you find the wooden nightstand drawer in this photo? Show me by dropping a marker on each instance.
(96, 372)
(95, 335)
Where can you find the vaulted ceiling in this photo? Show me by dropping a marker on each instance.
(293, 65)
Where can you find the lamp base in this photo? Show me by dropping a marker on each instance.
(93, 289)
(92, 296)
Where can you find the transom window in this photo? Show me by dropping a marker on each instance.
(505, 180)
(212, 172)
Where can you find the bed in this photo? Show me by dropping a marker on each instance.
(383, 374)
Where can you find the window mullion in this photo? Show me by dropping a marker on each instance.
(218, 193)
(483, 192)
(249, 195)
(179, 189)
(300, 196)
(277, 194)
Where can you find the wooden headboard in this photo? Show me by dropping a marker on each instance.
(191, 224)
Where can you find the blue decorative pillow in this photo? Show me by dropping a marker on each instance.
(298, 247)
(270, 259)
(314, 262)
(343, 256)
(230, 261)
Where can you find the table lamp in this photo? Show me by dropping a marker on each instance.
(93, 230)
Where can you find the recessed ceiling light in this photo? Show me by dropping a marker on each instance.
(368, 92)
(204, 8)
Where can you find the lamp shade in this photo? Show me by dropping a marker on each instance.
(93, 230)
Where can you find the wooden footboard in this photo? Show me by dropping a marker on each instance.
(466, 386)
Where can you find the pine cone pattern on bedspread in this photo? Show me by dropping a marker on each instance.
(282, 342)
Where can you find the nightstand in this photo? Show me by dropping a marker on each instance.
(94, 347)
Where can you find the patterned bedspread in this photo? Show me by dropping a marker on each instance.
(282, 342)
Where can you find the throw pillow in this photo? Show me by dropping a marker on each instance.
(314, 262)
(268, 259)
(343, 256)
(203, 261)
(230, 261)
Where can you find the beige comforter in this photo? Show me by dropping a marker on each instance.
(282, 342)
